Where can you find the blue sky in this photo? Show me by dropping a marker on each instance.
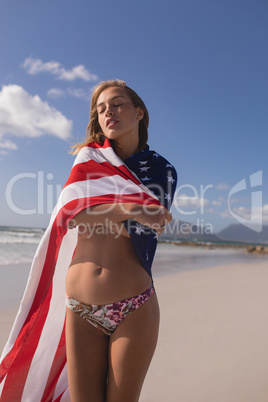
(200, 66)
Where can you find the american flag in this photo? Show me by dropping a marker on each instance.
(33, 363)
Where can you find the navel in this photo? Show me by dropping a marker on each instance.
(99, 270)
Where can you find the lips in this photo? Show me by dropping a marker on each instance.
(111, 122)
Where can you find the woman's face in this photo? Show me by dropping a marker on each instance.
(118, 118)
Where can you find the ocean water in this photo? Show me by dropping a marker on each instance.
(171, 258)
(18, 245)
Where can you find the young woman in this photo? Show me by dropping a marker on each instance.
(108, 361)
(98, 249)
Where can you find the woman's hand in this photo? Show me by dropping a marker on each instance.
(72, 224)
(154, 216)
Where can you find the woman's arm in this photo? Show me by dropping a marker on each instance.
(153, 216)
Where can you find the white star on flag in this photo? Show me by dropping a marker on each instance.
(144, 169)
(156, 155)
(170, 178)
(145, 178)
(167, 196)
(143, 162)
(139, 229)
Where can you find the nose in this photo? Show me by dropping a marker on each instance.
(109, 111)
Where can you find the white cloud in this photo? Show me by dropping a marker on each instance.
(56, 93)
(184, 200)
(255, 214)
(215, 202)
(36, 66)
(222, 186)
(234, 200)
(79, 93)
(7, 144)
(265, 209)
(211, 210)
(26, 116)
(3, 152)
(225, 214)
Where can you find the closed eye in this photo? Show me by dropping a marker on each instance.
(102, 110)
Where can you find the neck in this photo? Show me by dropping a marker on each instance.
(124, 151)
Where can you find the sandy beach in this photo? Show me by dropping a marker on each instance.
(213, 336)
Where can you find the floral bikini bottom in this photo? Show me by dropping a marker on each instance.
(107, 317)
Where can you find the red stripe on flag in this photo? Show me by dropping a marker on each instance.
(17, 362)
(106, 144)
(56, 369)
(92, 170)
(75, 206)
(18, 371)
(59, 397)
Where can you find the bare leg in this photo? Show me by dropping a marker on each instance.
(87, 359)
(132, 346)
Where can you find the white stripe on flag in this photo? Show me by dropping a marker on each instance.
(53, 327)
(61, 386)
(99, 155)
(106, 155)
(98, 187)
(65, 397)
(2, 384)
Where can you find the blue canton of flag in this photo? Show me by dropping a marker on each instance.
(156, 173)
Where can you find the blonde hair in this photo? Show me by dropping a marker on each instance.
(94, 132)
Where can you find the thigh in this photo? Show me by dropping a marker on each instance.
(132, 346)
(87, 359)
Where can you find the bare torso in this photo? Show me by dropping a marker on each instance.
(105, 268)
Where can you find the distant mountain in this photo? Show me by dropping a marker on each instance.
(240, 233)
(185, 231)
